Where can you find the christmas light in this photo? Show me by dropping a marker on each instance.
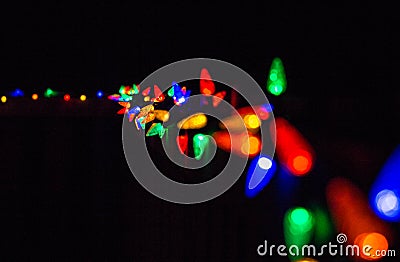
(50, 93)
(17, 93)
(276, 83)
(195, 121)
(241, 144)
(99, 94)
(292, 149)
(298, 228)
(346, 202)
(200, 142)
(82, 98)
(207, 86)
(384, 196)
(67, 97)
(3, 99)
(35, 96)
(260, 172)
(182, 142)
(370, 244)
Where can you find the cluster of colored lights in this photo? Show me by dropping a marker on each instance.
(48, 93)
(294, 155)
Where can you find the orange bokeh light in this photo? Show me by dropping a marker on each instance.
(373, 246)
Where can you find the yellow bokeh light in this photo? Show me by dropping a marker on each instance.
(3, 99)
(83, 98)
(251, 121)
(250, 146)
(195, 121)
(35, 97)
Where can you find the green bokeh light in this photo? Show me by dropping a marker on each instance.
(276, 83)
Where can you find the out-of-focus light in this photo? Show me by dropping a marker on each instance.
(218, 97)
(67, 97)
(180, 94)
(251, 121)
(302, 163)
(35, 97)
(200, 142)
(241, 144)
(372, 246)
(301, 220)
(276, 82)
(162, 115)
(384, 196)
(292, 149)
(250, 146)
(346, 202)
(49, 93)
(99, 94)
(156, 129)
(324, 228)
(207, 86)
(82, 98)
(387, 202)
(306, 260)
(17, 93)
(263, 112)
(260, 172)
(3, 99)
(182, 142)
(194, 121)
(264, 163)
(298, 225)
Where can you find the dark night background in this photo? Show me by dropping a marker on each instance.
(66, 190)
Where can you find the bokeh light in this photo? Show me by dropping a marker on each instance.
(384, 195)
(294, 152)
(372, 246)
(35, 96)
(260, 172)
(67, 97)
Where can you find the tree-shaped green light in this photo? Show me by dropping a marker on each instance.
(276, 83)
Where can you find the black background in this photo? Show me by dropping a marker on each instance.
(66, 189)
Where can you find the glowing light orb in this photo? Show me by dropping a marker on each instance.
(3, 99)
(49, 93)
(82, 98)
(17, 93)
(387, 203)
(264, 163)
(251, 121)
(99, 94)
(251, 146)
(384, 196)
(67, 97)
(373, 246)
(35, 97)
